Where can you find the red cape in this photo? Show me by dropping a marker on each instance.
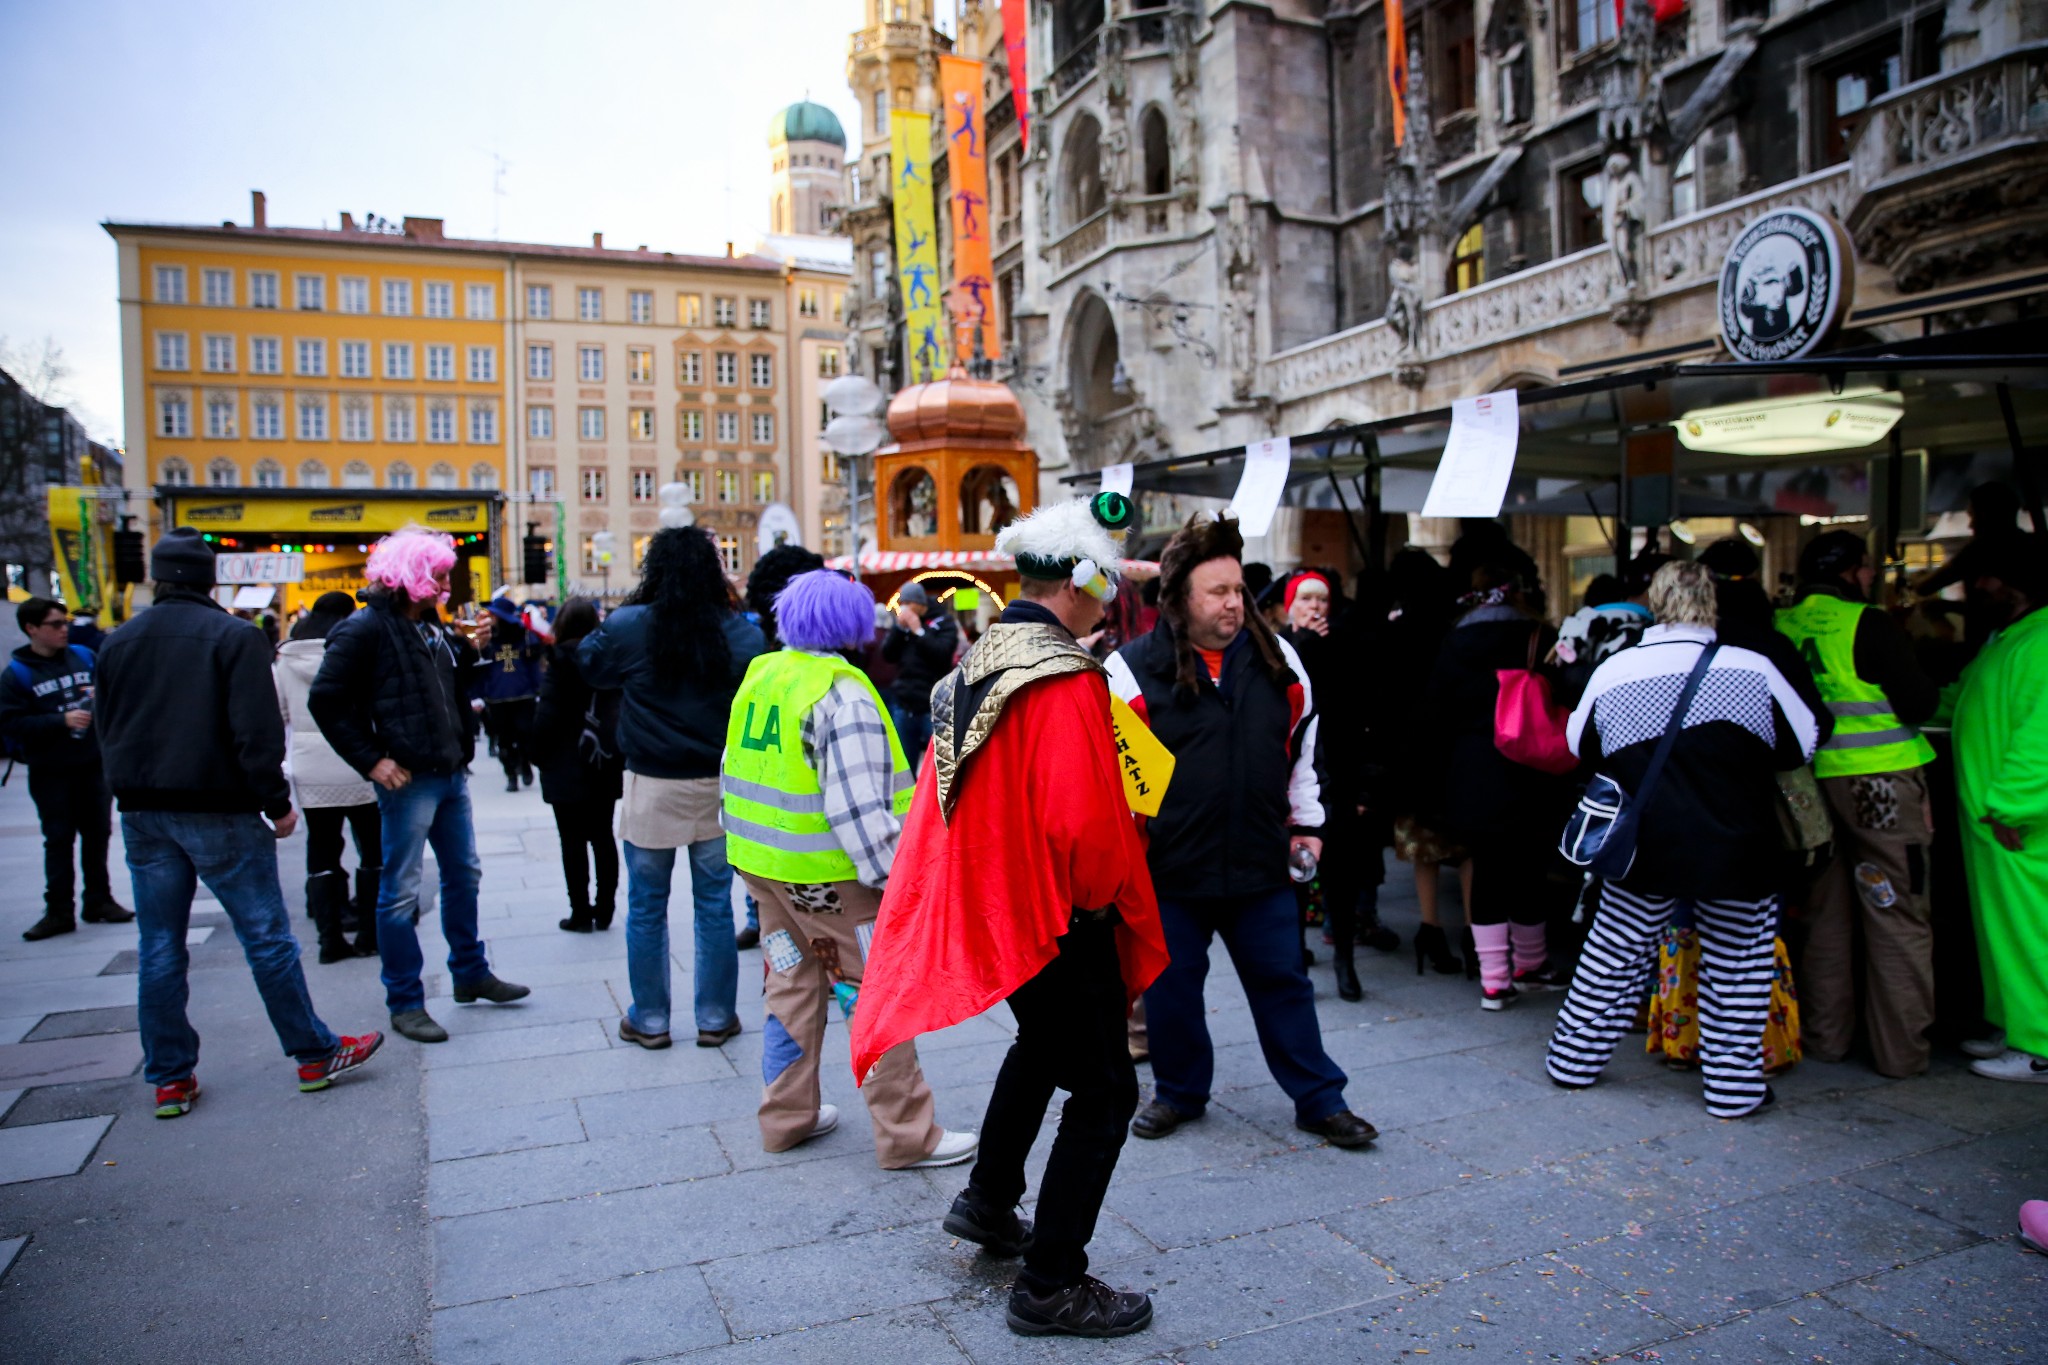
(976, 905)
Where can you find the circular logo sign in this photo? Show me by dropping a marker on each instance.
(1784, 285)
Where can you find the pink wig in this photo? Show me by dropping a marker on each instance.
(406, 561)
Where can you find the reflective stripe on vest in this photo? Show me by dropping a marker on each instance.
(772, 807)
(1869, 736)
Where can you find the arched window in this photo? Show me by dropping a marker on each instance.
(441, 476)
(988, 500)
(1158, 152)
(176, 473)
(222, 473)
(1094, 358)
(312, 474)
(482, 477)
(356, 474)
(1468, 261)
(914, 504)
(269, 474)
(1081, 171)
(398, 474)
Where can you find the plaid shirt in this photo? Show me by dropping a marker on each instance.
(846, 739)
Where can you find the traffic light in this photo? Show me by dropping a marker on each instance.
(537, 570)
(129, 565)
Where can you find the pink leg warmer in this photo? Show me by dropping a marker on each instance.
(1491, 942)
(1530, 952)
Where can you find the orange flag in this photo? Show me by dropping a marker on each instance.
(1397, 68)
(972, 298)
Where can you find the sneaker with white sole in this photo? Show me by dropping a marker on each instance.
(952, 1149)
(1984, 1049)
(828, 1119)
(2014, 1065)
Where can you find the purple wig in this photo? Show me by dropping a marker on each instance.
(406, 561)
(822, 610)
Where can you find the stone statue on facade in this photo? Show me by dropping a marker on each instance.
(1240, 304)
(1404, 301)
(1621, 218)
(1115, 158)
(1110, 63)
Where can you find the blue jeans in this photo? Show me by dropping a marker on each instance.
(432, 808)
(649, 872)
(914, 730)
(169, 853)
(1263, 935)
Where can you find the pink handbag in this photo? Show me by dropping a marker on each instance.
(1528, 727)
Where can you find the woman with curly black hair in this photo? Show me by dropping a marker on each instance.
(676, 651)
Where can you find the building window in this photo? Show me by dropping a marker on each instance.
(878, 273)
(171, 351)
(590, 305)
(219, 287)
(441, 476)
(590, 424)
(1848, 86)
(729, 553)
(640, 424)
(540, 481)
(398, 360)
(591, 480)
(590, 364)
(266, 419)
(692, 479)
(312, 419)
(540, 362)
(824, 417)
(761, 371)
(727, 370)
(441, 423)
(355, 295)
(690, 368)
(757, 313)
(838, 306)
(176, 473)
(269, 474)
(828, 362)
(266, 355)
(440, 300)
(643, 485)
(222, 474)
(310, 292)
(356, 474)
(483, 364)
(690, 425)
(1685, 183)
(441, 363)
(1455, 82)
(355, 360)
(263, 289)
(640, 305)
(312, 474)
(1580, 191)
(807, 303)
(483, 424)
(540, 301)
(398, 298)
(764, 428)
(398, 425)
(483, 306)
(170, 284)
(540, 423)
(764, 485)
(398, 475)
(639, 365)
(312, 356)
(355, 419)
(220, 417)
(728, 485)
(482, 477)
(724, 312)
(689, 310)
(1588, 24)
(728, 428)
(1468, 261)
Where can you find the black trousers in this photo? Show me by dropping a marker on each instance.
(1070, 1036)
(1510, 876)
(585, 829)
(512, 724)
(74, 805)
(324, 842)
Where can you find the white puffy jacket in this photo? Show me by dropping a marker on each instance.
(319, 776)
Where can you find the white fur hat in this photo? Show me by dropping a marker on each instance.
(1061, 540)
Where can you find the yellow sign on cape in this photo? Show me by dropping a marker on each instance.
(1147, 765)
(917, 244)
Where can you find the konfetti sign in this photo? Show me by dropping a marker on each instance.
(1785, 284)
(230, 567)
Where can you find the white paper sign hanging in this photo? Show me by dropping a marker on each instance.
(1116, 478)
(1472, 477)
(1259, 487)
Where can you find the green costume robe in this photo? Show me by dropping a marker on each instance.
(2001, 742)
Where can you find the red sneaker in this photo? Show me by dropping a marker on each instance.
(352, 1053)
(176, 1098)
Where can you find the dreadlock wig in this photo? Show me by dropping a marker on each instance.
(1204, 538)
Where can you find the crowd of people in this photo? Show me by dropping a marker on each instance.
(1692, 809)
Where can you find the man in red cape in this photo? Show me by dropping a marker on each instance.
(1021, 877)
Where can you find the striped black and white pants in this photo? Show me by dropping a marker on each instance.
(1615, 970)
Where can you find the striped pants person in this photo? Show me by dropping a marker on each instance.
(1615, 970)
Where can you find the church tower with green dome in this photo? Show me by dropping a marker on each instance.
(808, 148)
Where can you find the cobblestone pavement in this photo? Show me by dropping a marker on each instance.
(588, 1201)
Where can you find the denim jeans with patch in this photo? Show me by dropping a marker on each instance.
(433, 808)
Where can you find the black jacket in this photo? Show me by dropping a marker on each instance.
(921, 660)
(672, 732)
(1479, 794)
(568, 773)
(187, 712)
(32, 709)
(388, 689)
(1244, 774)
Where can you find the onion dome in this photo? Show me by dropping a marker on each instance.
(956, 407)
(806, 122)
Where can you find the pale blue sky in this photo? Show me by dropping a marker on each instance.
(630, 119)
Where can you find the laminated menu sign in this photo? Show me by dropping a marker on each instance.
(1117, 478)
(1472, 477)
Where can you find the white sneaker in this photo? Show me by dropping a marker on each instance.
(828, 1119)
(953, 1149)
(1986, 1048)
(2014, 1065)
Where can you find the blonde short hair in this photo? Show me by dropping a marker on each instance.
(1682, 594)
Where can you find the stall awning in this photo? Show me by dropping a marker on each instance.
(902, 561)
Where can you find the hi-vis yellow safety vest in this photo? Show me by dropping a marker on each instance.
(1869, 736)
(773, 808)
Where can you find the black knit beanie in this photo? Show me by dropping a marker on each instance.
(182, 557)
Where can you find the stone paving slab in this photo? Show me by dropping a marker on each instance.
(1978, 1186)
(911, 1336)
(9, 1249)
(64, 1061)
(39, 1151)
(84, 1024)
(539, 1175)
(1805, 1330)
(1985, 1304)
(512, 1128)
(638, 1317)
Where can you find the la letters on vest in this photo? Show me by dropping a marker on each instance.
(1147, 765)
(770, 734)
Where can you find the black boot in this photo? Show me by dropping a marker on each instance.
(580, 920)
(1347, 975)
(326, 893)
(366, 910)
(1433, 948)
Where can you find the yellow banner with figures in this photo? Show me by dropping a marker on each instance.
(80, 547)
(339, 517)
(917, 244)
(1147, 765)
(971, 299)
